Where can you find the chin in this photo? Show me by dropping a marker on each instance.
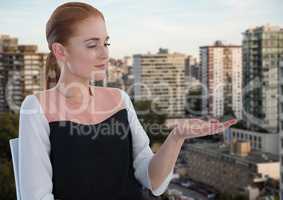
(99, 77)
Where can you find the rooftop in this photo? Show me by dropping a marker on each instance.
(223, 151)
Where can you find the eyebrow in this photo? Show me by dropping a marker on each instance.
(96, 39)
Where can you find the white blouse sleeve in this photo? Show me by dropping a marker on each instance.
(35, 170)
(142, 152)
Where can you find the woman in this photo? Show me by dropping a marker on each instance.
(69, 148)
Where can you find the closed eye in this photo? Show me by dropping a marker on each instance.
(93, 46)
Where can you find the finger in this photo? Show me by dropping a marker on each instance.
(222, 126)
(230, 123)
(208, 129)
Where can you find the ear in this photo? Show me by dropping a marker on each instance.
(59, 51)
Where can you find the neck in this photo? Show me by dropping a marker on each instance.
(74, 87)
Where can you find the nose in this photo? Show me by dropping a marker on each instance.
(104, 53)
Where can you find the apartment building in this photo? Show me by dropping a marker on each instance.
(221, 77)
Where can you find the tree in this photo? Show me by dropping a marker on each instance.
(152, 122)
(9, 125)
(7, 181)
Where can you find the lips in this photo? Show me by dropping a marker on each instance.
(102, 66)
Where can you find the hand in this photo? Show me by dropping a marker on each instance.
(193, 128)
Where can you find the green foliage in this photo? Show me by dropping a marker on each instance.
(227, 196)
(152, 121)
(8, 130)
(9, 126)
(7, 182)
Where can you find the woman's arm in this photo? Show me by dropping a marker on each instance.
(164, 160)
(35, 170)
(142, 152)
(155, 171)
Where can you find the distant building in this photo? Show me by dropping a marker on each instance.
(231, 169)
(193, 70)
(33, 71)
(263, 142)
(21, 72)
(221, 69)
(262, 47)
(161, 77)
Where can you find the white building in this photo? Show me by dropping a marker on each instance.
(262, 47)
(21, 72)
(161, 78)
(221, 67)
(263, 142)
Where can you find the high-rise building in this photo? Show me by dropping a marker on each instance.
(10, 78)
(192, 68)
(221, 69)
(262, 47)
(33, 70)
(161, 78)
(21, 72)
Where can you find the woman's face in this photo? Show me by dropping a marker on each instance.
(87, 50)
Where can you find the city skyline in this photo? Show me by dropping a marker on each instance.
(229, 64)
(179, 26)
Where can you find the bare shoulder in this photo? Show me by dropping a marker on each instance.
(45, 98)
(108, 91)
(111, 94)
(43, 95)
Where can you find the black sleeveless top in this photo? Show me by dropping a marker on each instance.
(93, 161)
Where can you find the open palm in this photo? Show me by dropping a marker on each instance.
(193, 128)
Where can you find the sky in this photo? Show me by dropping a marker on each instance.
(137, 27)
